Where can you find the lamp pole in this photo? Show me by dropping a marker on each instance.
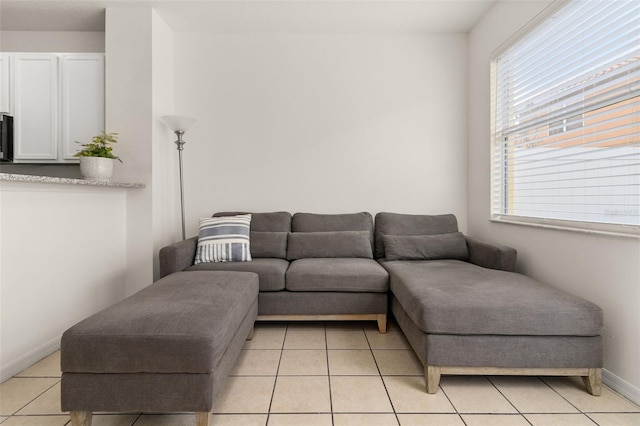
(179, 125)
(180, 144)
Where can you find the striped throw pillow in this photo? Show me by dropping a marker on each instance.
(224, 239)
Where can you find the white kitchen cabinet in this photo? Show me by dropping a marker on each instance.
(5, 84)
(82, 100)
(57, 99)
(35, 106)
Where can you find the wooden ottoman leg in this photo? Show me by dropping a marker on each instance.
(382, 323)
(81, 418)
(432, 376)
(202, 418)
(250, 336)
(593, 382)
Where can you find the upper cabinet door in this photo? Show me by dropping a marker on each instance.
(5, 84)
(82, 100)
(35, 85)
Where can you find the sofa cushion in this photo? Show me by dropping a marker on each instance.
(271, 271)
(408, 224)
(426, 247)
(302, 245)
(182, 323)
(268, 233)
(311, 222)
(268, 244)
(265, 222)
(224, 239)
(337, 274)
(455, 297)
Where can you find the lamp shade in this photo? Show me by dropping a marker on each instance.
(178, 122)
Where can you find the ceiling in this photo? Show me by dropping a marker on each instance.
(253, 15)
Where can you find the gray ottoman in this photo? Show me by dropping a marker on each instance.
(167, 348)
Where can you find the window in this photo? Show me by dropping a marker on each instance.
(566, 119)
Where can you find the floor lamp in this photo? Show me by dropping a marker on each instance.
(179, 125)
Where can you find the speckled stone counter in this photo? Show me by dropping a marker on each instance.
(10, 177)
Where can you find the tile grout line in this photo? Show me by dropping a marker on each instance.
(562, 396)
(580, 412)
(450, 402)
(39, 395)
(139, 416)
(587, 416)
(384, 384)
(275, 381)
(326, 351)
(507, 399)
(36, 377)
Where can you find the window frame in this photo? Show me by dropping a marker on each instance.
(611, 229)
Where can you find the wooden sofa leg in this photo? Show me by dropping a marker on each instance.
(203, 418)
(382, 323)
(432, 376)
(250, 336)
(593, 382)
(81, 418)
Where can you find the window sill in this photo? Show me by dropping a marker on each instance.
(625, 231)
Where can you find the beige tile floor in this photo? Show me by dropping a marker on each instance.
(341, 374)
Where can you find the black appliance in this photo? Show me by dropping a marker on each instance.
(6, 137)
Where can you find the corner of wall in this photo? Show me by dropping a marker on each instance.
(128, 111)
(164, 174)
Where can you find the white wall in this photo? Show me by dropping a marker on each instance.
(128, 111)
(140, 90)
(323, 122)
(52, 41)
(62, 258)
(602, 269)
(94, 246)
(165, 187)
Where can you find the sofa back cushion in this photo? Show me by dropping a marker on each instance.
(407, 224)
(268, 233)
(352, 244)
(313, 222)
(426, 247)
(265, 222)
(269, 244)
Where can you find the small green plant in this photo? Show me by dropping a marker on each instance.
(99, 146)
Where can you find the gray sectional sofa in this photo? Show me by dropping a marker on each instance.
(311, 266)
(457, 300)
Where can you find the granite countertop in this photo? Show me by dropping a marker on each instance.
(11, 177)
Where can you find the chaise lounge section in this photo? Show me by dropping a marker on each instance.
(464, 310)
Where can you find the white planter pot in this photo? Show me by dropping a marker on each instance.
(96, 168)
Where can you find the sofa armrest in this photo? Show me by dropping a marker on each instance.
(492, 256)
(177, 256)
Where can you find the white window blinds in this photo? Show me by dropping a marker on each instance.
(567, 117)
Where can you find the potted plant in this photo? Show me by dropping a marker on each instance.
(97, 158)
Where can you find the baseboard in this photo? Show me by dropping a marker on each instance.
(621, 386)
(12, 368)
